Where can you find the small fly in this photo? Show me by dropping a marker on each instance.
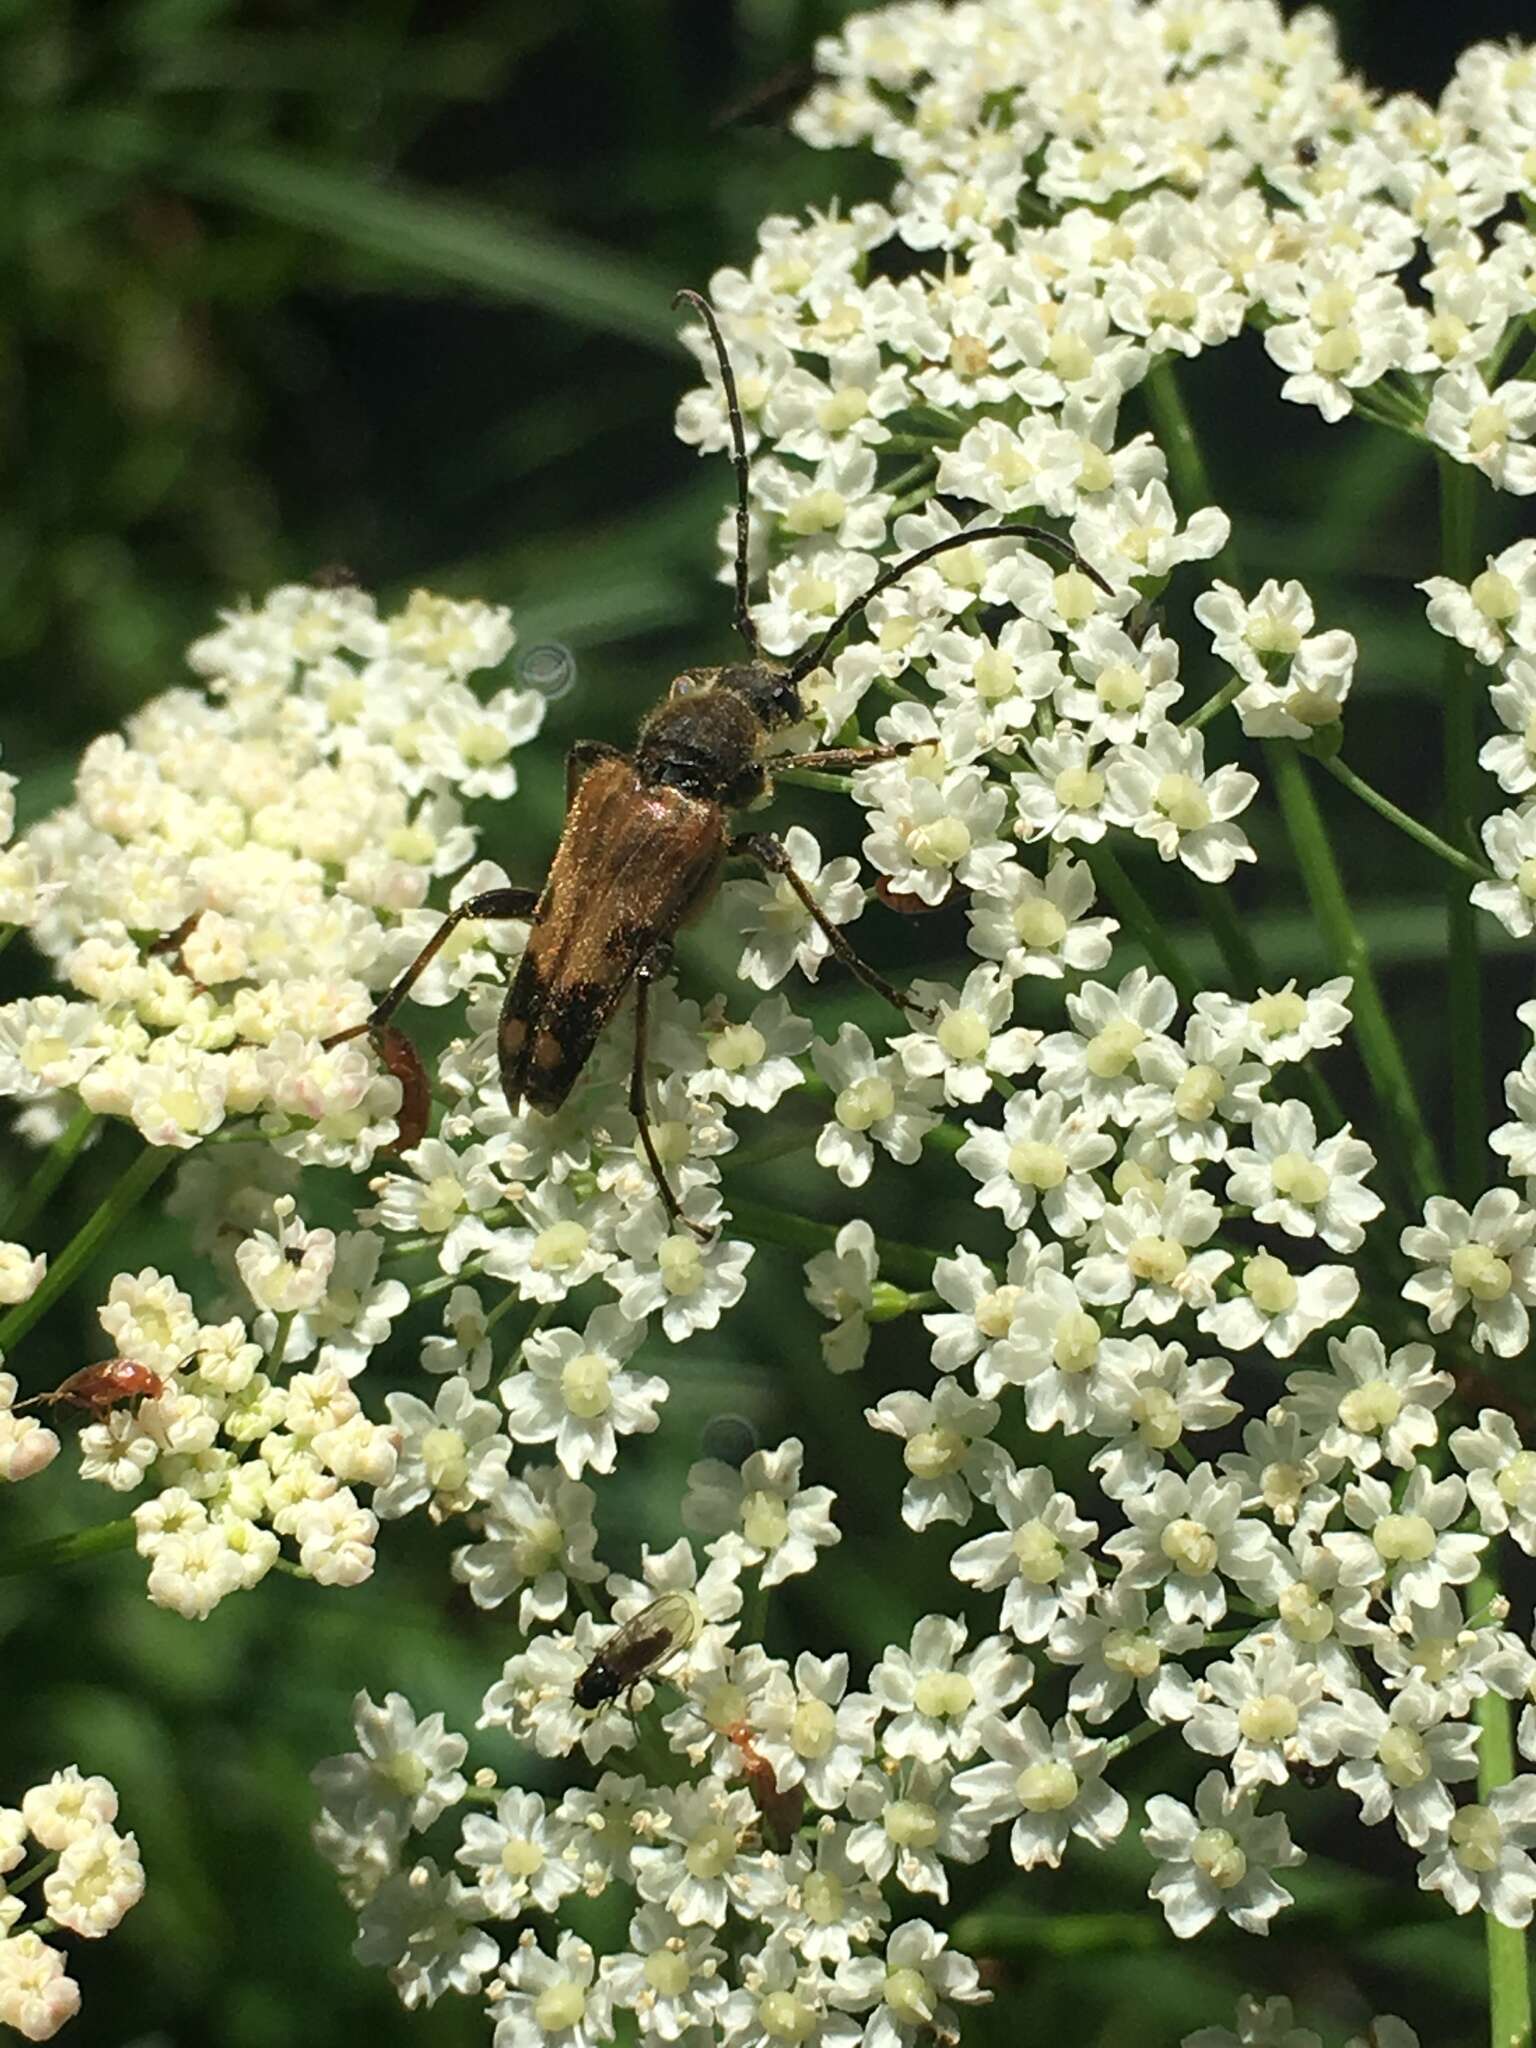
(641, 1646)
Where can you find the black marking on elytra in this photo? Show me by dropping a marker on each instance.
(630, 940)
(567, 1010)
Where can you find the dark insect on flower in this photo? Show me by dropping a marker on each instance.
(642, 1645)
(645, 839)
(782, 1811)
(905, 903)
(99, 1387)
(398, 1054)
(169, 945)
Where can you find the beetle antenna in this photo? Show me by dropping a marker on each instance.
(1052, 542)
(706, 313)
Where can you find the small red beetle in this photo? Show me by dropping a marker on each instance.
(101, 1386)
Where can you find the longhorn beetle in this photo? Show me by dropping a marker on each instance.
(645, 838)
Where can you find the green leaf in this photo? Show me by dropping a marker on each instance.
(408, 231)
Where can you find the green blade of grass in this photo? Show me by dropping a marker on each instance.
(408, 231)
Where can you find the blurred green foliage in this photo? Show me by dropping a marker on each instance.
(387, 285)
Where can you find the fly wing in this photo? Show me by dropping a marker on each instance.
(633, 861)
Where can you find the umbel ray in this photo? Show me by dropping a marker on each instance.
(644, 841)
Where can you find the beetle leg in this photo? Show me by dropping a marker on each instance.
(843, 757)
(772, 854)
(492, 903)
(391, 1044)
(651, 968)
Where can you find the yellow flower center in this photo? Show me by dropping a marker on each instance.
(1278, 1015)
(1038, 1552)
(813, 1729)
(964, 1034)
(680, 1263)
(1035, 1165)
(1190, 1547)
(1403, 1539)
(1269, 1284)
(446, 1460)
(1079, 789)
(1273, 1718)
(1217, 1855)
(1158, 1259)
(1477, 1840)
(1484, 1275)
(584, 1385)
(1371, 1407)
(1111, 1050)
(558, 1248)
(737, 1046)
(1039, 924)
(559, 2006)
(1404, 1757)
(1299, 1179)
(1182, 802)
(1075, 1346)
(934, 1453)
(865, 1103)
(941, 1695)
(764, 1520)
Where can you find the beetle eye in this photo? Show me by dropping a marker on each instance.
(689, 685)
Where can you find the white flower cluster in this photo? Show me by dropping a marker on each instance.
(1494, 618)
(1111, 181)
(689, 1856)
(241, 1453)
(1273, 1564)
(61, 1837)
(241, 868)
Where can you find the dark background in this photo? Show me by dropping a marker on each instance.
(387, 286)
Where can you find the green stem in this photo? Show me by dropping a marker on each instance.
(754, 1617)
(1134, 1739)
(73, 1548)
(1463, 694)
(1418, 1165)
(279, 1344)
(914, 444)
(1394, 422)
(909, 1265)
(1140, 919)
(38, 1867)
(1176, 433)
(533, 1322)
(50, 1170)
(813, 778)
(1509, 1988)
(1234, 940)
(1216, 703)
(913, 474)
(1384, 807)
(1391, 406)
(87, 1241)
(444, 1283)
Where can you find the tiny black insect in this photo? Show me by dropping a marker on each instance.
(646, 836)
(644, 1643)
